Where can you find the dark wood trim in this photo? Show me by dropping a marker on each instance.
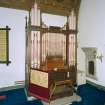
(41, 70)
(7, 42)
(53, 30)
(7, 29)
(67, 42)
(26, 24)
(5, 62)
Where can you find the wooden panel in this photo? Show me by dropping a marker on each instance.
(39, 78)
(54, 63)
(39, 92)
(3, 45)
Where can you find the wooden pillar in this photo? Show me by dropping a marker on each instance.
(76, 45)
(40, 38)
(67, 42)
(28, 53)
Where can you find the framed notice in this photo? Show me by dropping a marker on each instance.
(4, 45)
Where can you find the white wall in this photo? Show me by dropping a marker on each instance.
(92, 34)
(15, 71)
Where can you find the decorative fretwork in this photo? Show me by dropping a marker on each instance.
(52, 40)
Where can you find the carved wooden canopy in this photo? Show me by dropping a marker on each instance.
(60, 7)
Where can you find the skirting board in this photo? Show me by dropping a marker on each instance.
(96, 85)
(11, 87)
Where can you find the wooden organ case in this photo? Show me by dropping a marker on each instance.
(51, 51)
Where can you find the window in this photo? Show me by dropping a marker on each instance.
(4, 45)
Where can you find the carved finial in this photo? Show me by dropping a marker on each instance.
(26, 21)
